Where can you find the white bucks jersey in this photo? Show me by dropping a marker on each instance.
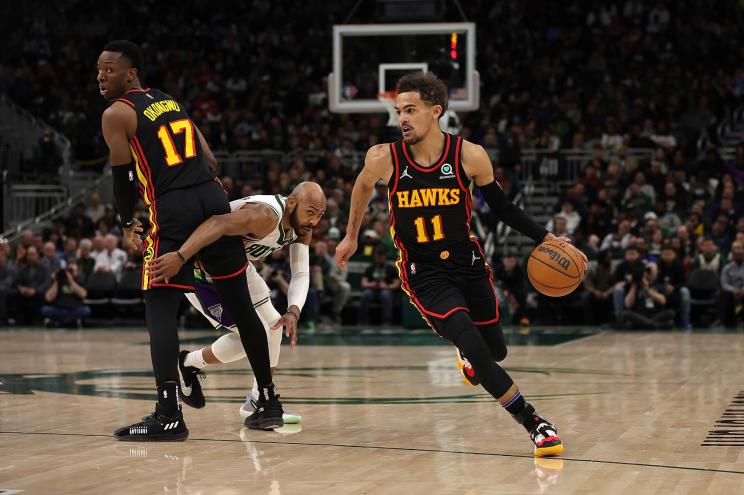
(257, 249)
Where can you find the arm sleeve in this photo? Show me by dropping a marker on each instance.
(125, 192)
(299, 263)
(512, 215)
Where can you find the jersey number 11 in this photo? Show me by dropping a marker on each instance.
(421, 233)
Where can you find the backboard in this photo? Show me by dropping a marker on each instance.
(368, 59)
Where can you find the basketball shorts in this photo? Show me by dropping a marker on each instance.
(174, 217)
(207, 302)
(438, 291)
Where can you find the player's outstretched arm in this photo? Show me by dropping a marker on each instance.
(478, 166)
(377, 166)
(254, 219)
(299, 284)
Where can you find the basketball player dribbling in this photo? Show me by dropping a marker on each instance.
(153, 143)
(441, 265)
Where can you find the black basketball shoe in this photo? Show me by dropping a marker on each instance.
(268, 413)
(157, 427)
(545, 437)
(191, 391)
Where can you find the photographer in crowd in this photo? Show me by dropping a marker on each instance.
(64, 299)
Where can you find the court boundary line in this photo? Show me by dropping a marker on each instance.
(395, 449)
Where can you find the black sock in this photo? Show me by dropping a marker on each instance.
(522, 411)
(168, 398)
(266, 393)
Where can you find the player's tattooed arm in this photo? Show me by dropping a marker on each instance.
(377, 166)
(252, 219)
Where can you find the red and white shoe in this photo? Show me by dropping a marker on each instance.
(546, 439)
(468, 373)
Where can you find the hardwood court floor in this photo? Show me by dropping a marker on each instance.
(634, 410)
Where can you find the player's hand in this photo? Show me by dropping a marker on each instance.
(289, 322)
(345, 250)
(130, 236)
(164, 267)
(552, 237)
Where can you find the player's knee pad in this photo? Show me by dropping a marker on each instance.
(494, 337)
(228, 348)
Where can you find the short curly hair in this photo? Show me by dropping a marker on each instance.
(431, 89)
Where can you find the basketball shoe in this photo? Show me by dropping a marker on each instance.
(468, 373)
(545, 437)
(191, 391)
(157, 427)
(249, 407)
(268, 413)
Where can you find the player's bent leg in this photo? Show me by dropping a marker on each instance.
(461, 331)
(493, 335)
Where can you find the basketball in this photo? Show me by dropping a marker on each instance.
(555, 268)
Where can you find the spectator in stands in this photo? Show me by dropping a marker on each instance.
(510, 273)
(95, 209)
(599, 284)
(617, 241)
(47, 156)
(7, 279)
(379, 284)
(636, 200)
(50, 260)
(559, 226)
(627, 271)
(645, 305)
(719, 232)
(70, 252)
(64, 299)
(671, 278)
(332, 279)
(598, 220)
(111, 259)
(611, 139)
(85, 261)
(31, 282)
(78, 224)
(732, 287)
(573, 219)
(708, 258)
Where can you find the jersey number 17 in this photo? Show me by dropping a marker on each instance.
(185, 126)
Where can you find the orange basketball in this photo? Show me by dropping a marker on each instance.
(555, 268)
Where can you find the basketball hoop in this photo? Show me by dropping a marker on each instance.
(388, 99)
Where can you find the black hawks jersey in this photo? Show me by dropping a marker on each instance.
(430, 207)
(166, 148)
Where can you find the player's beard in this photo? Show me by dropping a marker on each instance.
(294, 221)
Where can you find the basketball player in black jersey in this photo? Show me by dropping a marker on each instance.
(441, 265)
(154, 146)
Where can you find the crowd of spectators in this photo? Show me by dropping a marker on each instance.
(253, 75)
(603, 79)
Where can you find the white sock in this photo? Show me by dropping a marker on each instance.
(195, 359)
(254, 390)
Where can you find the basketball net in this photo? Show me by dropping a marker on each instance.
(388, 99)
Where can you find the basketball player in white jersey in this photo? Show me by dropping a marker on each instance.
(266, 224)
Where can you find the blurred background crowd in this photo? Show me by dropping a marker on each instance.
(663, 230)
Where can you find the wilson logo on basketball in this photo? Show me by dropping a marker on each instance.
(555, 256)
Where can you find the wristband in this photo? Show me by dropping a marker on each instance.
(183, 260)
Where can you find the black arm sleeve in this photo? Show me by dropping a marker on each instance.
(511, 214)
(125, 192)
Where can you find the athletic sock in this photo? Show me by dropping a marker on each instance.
(195, 359)
(168, 397)
(522, 411)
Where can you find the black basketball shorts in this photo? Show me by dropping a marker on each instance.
(174, 217)
(438, 291)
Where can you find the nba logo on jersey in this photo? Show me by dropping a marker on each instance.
(413, 268)
(447, 171)
(216, 311)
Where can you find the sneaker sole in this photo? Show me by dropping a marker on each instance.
(167, 437)
(287, 417)
(549, 451)
(265, 424)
